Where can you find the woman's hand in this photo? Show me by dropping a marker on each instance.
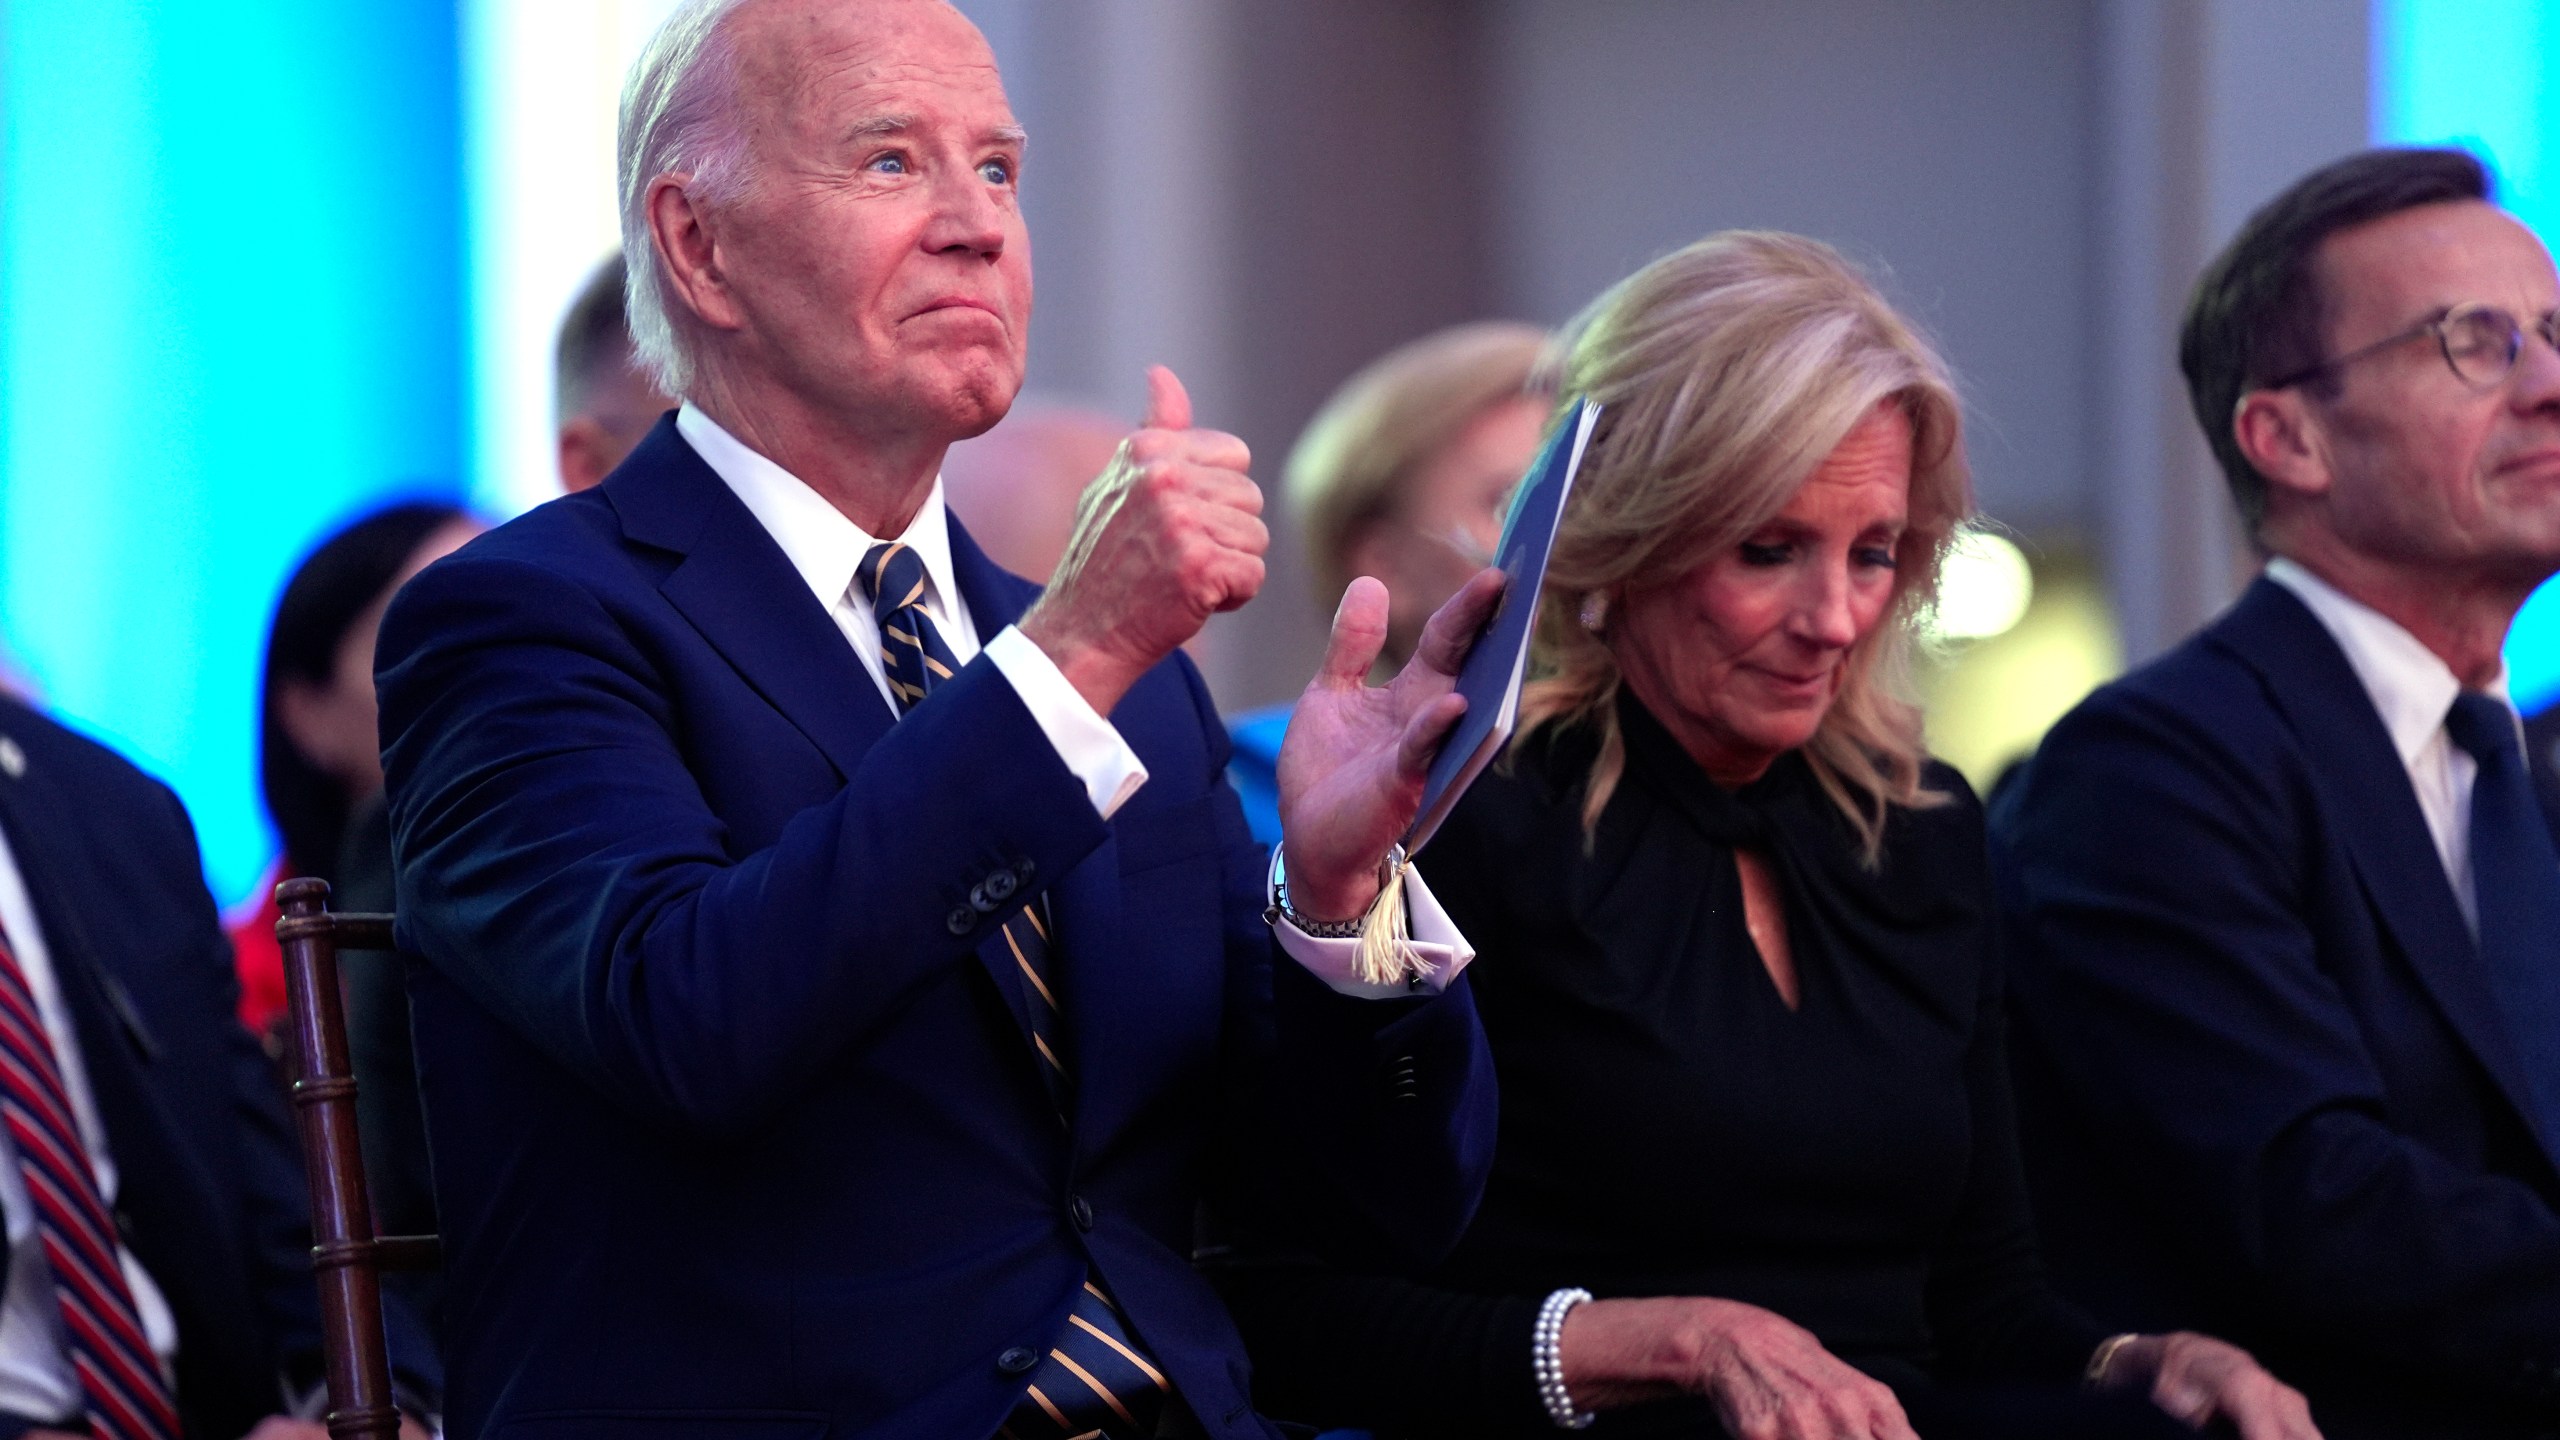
(2199, 1379)
(1768, 1378)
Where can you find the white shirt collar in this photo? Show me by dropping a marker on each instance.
(2410, 685)
(821, 543)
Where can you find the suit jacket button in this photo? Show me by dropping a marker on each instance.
(1080, 1212)
(1000, 886)
(1017, 1360)
(980, 900)
(1023, 870)
(962, 920)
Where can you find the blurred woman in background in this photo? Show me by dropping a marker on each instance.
(319, 759)
(1403, 474)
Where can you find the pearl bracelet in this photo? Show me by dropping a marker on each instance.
(1546, 1358)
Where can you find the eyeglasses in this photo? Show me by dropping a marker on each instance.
(2480, 342)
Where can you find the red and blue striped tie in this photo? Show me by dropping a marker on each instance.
(120, 1380)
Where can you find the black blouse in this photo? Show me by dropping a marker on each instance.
(1670, 1127)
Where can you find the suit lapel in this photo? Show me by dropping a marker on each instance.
(118, 1051)
(738, 589)
(2393, 851)
(114, 1038)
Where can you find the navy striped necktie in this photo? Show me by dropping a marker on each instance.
(123, 1392)
(2516, 878)
(1095, 1383)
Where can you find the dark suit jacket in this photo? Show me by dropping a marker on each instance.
(2266, 1090)
(212, 1200)
(735, 1119)
(2542, 756)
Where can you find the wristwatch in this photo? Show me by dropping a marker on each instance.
(1278, 908)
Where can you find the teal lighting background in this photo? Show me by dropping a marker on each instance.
(2474, 73)
(231, 317)
(234, 313)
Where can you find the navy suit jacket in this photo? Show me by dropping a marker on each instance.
(2265, 1088)
(211, 1196)
(734, 1115)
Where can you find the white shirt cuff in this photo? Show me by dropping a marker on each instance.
(1435, 938)
(1110, 770)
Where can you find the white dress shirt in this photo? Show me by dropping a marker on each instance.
(826, 547)
(36, 1378)
(2412, 689)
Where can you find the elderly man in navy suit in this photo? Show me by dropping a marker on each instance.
(2288, 992)
(848, 976)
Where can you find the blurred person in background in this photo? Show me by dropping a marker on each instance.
(159, 1274)
(1403, 474)
(2288, 986)
(1016, 486)
(1757, 1172)
(319, 760)
(602, 400)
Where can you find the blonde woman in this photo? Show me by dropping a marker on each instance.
(1403, 474)
(1736, 950)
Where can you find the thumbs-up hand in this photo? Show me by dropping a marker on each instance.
(1167, 535)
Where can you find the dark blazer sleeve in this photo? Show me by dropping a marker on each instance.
(2165, 864)
(1992, 1309)
(273, 1193)
(559, 861)
(1384, 1109)
(1344, 1347)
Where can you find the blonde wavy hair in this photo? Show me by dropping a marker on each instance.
(1729, 370)
(1356, 460)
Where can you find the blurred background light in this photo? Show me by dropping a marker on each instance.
(230, 317)
(1983, 589)
(1989, 701)
(2476, 73)
(541, 86)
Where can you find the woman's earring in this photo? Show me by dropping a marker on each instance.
(1595, 610)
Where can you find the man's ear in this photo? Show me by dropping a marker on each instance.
(689, 253)
(2283, 439)
(585, 453)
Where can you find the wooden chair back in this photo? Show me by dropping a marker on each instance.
(347, 1258)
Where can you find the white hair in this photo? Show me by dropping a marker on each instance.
(680, 115)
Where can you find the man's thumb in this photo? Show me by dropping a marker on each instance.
(1168, 404)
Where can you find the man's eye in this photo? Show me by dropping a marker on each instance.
(1881, 557)
(997, 172)
(1759, 552)
(891, 164)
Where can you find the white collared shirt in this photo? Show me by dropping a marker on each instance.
(826, 547)
(36, 1378)
(2412, 689)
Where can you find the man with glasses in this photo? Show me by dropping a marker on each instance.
(2287, 986)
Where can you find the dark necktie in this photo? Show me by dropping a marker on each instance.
(120, 1381)
(2516, 879)
(1095, 1381)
